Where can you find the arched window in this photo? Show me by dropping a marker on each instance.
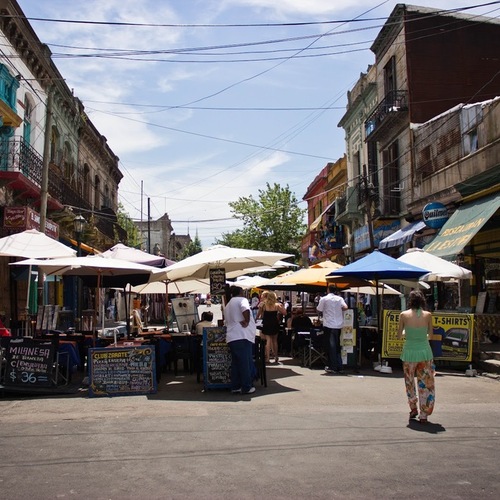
(54, 146)
(106, 202)
(97, 195)
(86, 183)
(28, 112)
(68, 172)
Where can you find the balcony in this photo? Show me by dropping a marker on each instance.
(346, 206)
(21, 169)
(393, 107)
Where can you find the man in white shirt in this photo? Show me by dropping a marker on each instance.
(240, 335)
(332, 308)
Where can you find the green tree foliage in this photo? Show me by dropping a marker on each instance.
(193, 247)
(126, 223)
(273, 222)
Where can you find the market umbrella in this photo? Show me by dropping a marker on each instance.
(440, 269)
(99, 272)
(314, 275)
(177, 287)
(123, 252)
(248, 282)
(232, 260)
(33, 244)
(130, 254)
(372, 290)
(378, 267)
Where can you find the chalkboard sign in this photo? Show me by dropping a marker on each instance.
(29, 363)
(216, 359)
(122, 371)
(217, 281)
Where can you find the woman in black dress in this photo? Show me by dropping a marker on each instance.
(272, 313)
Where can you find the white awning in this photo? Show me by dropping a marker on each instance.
(401, 236)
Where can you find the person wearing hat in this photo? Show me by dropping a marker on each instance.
(332, 308)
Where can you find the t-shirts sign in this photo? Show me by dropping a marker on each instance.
(29, 363)
(121, 371)
(216, 359)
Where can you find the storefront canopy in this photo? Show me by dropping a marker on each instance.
(402, 236)
(463, 225)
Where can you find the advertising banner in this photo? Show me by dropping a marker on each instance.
(451, 340)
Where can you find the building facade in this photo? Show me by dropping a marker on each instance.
(54, 164)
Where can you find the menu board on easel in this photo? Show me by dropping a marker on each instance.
(29, 363)
(122, 371)
(216, 359)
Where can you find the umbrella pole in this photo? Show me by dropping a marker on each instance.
(27, 310)
(127, 309)
(378, 318)
(166, 306)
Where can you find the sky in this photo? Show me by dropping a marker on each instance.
(206, 101)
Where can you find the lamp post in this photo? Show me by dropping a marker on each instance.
(78, 226)
(347, 252)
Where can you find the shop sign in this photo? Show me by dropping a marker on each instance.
(381, 229)
(22, 218)
(435, 215)
(451, 339)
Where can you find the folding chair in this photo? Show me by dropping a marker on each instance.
(316, 349)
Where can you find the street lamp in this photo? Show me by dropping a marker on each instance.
(78, 226)
(347, 252)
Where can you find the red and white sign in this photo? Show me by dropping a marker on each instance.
(26, 218)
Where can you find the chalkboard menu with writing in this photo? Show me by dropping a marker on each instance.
(216, 359)
(29, 363)
(122, 371)
(217, 281)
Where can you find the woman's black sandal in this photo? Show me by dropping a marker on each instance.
(413, 414)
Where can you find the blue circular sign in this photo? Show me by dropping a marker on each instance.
(435, 214)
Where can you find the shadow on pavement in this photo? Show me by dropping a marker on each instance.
(430, 427)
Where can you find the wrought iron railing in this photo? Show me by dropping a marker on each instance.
(394, 102)
(16, 155)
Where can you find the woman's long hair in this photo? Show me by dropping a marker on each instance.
(270, 300)
(416, 300)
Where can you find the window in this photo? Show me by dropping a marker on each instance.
(86, 182)
(391, 187)
(470, 142)
(390, 84)
(97, 196)
(28, 110)
(54, 146)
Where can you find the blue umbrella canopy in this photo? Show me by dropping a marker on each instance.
(379, 267)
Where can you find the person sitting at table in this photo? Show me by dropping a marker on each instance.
(206, 322)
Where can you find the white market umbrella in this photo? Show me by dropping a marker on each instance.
(99, 272)
(372, 290)
(33, 244)
(439, 269)
(123, 252)
(220, 256)
(249, 282)
(175, 287)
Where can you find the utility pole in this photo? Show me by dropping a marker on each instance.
(149, 225)
(44, 191)
(368, 205)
